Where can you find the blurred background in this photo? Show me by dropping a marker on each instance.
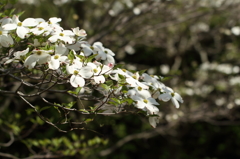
(195, 43)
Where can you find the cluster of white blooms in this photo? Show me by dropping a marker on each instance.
(66, 51)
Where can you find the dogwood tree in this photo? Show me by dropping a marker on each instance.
(43, 48)
(42, 58)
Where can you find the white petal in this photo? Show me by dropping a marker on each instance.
(53, 38)
(110, 59)
(141, 105)
(99, 79)
(86, 49)
(178, 97)
(8, 61)
(29, 22)
(168, 89)
(44, 58)
(153, 101)
(131, 81)
(86, 72)
(144, 93)
(6, 40)
(101, 55)
(9, 26)
(30, 62)
(140, 84)
(55, 20)
(165, 97)
(152, 109)
(77, 81)
(53, 63)
(105, 69)
(22, 31)
(156, 94)
(109, 52)
(68, 32)
(132, 92)
(70, 69)
(6, 20)
(61, 49)
(175, 102)
(18, 54)
(63, 58)
(75, 46)
(153, 121)
(98, 44)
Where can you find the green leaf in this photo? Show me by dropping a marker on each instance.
(69, 105)
(90, 58)
(93, 108)
(88, 120)
(166, 78)
(68, 143)
(142, 71)
(76, 92)
(116, 100)
(44, 108)
(129, 101)
(74, 137)
(109, 82)
(39, 120)
(35, 143)
(71, 56)
(104, 86)
(118, 66)
(124, 89)
(83, 110)
(121, 76)
(56, 142)
(19, 14)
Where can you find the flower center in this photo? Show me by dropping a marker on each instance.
(75, 72)
(95, 70)
(139, 88)
(56, 57)
(0, 32)
(172, 94)
(145, 101)
(134, 76)
(124, 70)
(61, 34)
(19, 24)
(92, 47)
(40, 28)
(39, 53)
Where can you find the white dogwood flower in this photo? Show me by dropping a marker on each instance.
(38, 56)
(65, 35)
(5, 39)
(147, 104)
(170, 94)
(42, 28)
(79, 73)
(79, 32)
(98, 70)
(22, 28)
(60, 52)
(17, 56)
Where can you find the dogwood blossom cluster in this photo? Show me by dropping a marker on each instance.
(35, 42)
